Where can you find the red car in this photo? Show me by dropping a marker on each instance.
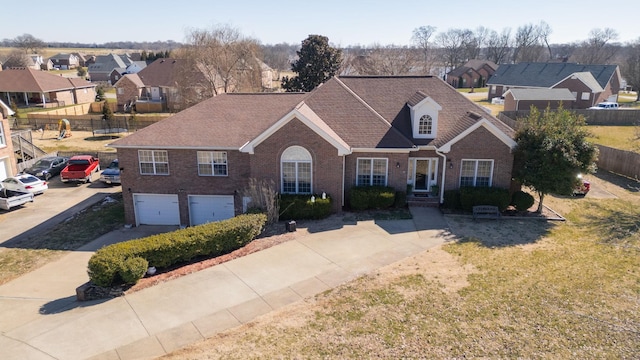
(582, 188)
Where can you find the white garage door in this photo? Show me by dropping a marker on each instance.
(208, 208)
(4, 166)
(156, 209)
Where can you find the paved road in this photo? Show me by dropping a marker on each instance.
(58, 203)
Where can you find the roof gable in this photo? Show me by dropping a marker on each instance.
(562, 94)
(586, 78)
(548, 74)
(29, 80)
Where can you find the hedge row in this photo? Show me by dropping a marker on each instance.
(127, 262)
(298, 207)
(467, 197)
(371, 197)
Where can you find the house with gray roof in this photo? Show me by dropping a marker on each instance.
(102, 68)
(590, 84)
(413, 132)
(524, 99)
(65, 61)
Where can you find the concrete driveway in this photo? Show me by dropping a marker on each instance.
(58, 203)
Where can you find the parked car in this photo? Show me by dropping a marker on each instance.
(80, 168)
(9, 198)
(111, 175)
(25, 183)
(582, 187)
(47, 167)
(607, 105)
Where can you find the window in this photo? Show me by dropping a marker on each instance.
(212, 163)
(153, 162)
(425, 127)
(371, 172)
(476, 173)
(586, 96)
(120, 91)
(3, 140)
(296, 170)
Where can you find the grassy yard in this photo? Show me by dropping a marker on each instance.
(83, 228)
(567, 290)
(619, 137)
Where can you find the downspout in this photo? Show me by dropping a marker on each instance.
(343, 177)
(444, 171)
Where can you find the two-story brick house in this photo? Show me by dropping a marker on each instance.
(351, 131)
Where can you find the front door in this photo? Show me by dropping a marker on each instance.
(425, 171)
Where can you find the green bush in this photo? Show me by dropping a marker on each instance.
(110, 264)
(298, 207)
(401, 199)
(371, 197)
(522, 200)
(472, 196)
(133, 269)
(452, 200)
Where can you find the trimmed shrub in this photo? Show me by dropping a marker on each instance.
(371, 197)
(472, 196)
(452, 200)
(298, 207)
(522, 200)
(401, 199)
(133, 269)
(109, 264)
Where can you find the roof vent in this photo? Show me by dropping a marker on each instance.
(473, 115)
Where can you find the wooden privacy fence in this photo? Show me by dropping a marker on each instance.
(91, 122)
(620, 117)
(621, 162)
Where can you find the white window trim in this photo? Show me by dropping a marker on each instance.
(154, 162)
(371, 159)
(428, 117)
(213, 163)
(304, 157)
(475, 172)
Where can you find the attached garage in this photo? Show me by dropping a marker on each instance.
(208, 208)
(156, 209)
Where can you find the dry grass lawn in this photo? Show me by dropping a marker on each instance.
(507, 289)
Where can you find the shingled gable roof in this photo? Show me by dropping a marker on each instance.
(29, 80)
(133, 78)
(548, 74)
(162, 73)
(389, 97)
(358, 113)
(587, 79)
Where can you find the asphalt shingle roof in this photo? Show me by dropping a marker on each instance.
(547, 74)
(29, 80)
(364, 112)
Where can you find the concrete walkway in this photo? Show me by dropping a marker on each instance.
(41, 319)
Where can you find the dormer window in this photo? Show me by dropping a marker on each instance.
(426, 125)
(424, 116)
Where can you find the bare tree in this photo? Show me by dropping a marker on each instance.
(528, 44)
(545, 32)
(16, 58)
(455, 45)
(499, 45)
(384, 60)
(421, 38)
(631, 67)
(226, 57)
(28, 43)
(598, 48)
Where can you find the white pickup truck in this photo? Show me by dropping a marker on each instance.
(10, 198)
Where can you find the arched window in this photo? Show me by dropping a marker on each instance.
(296, 170)
(426, 125)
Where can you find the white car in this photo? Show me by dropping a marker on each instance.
(605, 106)
(25, 183)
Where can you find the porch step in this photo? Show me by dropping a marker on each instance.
(424, 201)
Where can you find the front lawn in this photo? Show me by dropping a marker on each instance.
(618, 137)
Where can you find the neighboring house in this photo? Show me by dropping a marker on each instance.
(159, 92)
(64, 61)
(35, 62)
(82, 58)
(28, 87)
(134, 68)
(8, 166)
(104, 64)
(473, 74)
(192, 168)
(47, 65)
(523, 99)
(590, 84)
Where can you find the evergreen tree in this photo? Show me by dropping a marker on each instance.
(317, 62)
(551, 151)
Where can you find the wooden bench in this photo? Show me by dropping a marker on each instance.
(486, 212)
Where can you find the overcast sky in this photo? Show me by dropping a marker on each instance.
(344, 22)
